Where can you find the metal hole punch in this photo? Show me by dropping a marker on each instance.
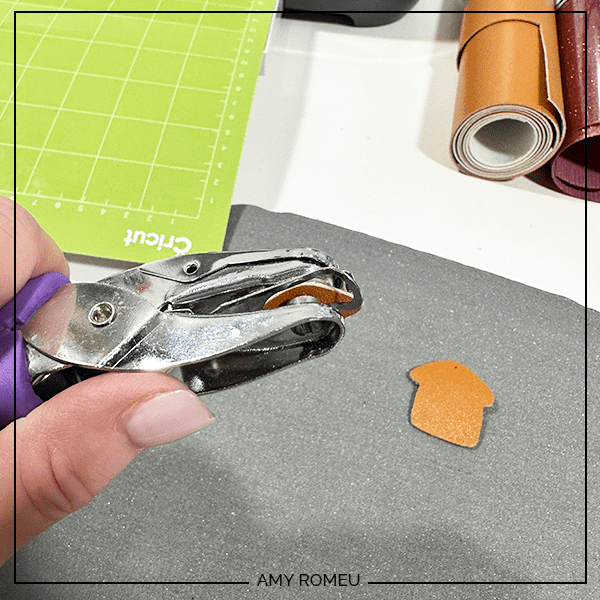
(212, 320)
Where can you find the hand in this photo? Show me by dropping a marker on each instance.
(69, 448)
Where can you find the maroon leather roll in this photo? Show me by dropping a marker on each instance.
(568, 166)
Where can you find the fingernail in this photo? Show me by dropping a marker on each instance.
(167, 418)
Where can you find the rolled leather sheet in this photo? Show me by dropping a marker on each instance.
(569, 165)
(509, 115)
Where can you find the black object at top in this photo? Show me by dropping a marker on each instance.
(362, 13)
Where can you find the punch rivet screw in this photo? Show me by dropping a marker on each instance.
(191, 267)
(102, 314)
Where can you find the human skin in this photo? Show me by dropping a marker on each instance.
(71, 447)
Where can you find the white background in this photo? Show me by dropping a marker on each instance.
(352, 126)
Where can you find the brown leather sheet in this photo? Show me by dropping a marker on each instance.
(509, 116)
(568, 167)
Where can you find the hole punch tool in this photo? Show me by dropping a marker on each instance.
(212, 320)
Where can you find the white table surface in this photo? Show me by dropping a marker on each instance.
(352, 126)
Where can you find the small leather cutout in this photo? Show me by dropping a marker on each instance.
(449, 402)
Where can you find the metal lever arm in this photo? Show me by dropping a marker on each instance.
(63, 335)
(214, 319)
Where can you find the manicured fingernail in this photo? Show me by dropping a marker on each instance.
(167, 418)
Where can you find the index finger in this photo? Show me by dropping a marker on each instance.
(36, 252)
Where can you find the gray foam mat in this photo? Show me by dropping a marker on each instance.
(317, 469)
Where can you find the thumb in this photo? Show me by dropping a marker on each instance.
(69, 448)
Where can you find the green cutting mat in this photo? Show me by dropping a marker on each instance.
(129, 126)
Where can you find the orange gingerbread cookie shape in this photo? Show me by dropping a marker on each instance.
(449, 402)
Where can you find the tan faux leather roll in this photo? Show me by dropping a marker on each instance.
(509, 115)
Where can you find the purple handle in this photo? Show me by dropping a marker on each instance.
(15, 314)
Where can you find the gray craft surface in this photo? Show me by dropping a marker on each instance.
(317, 469)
